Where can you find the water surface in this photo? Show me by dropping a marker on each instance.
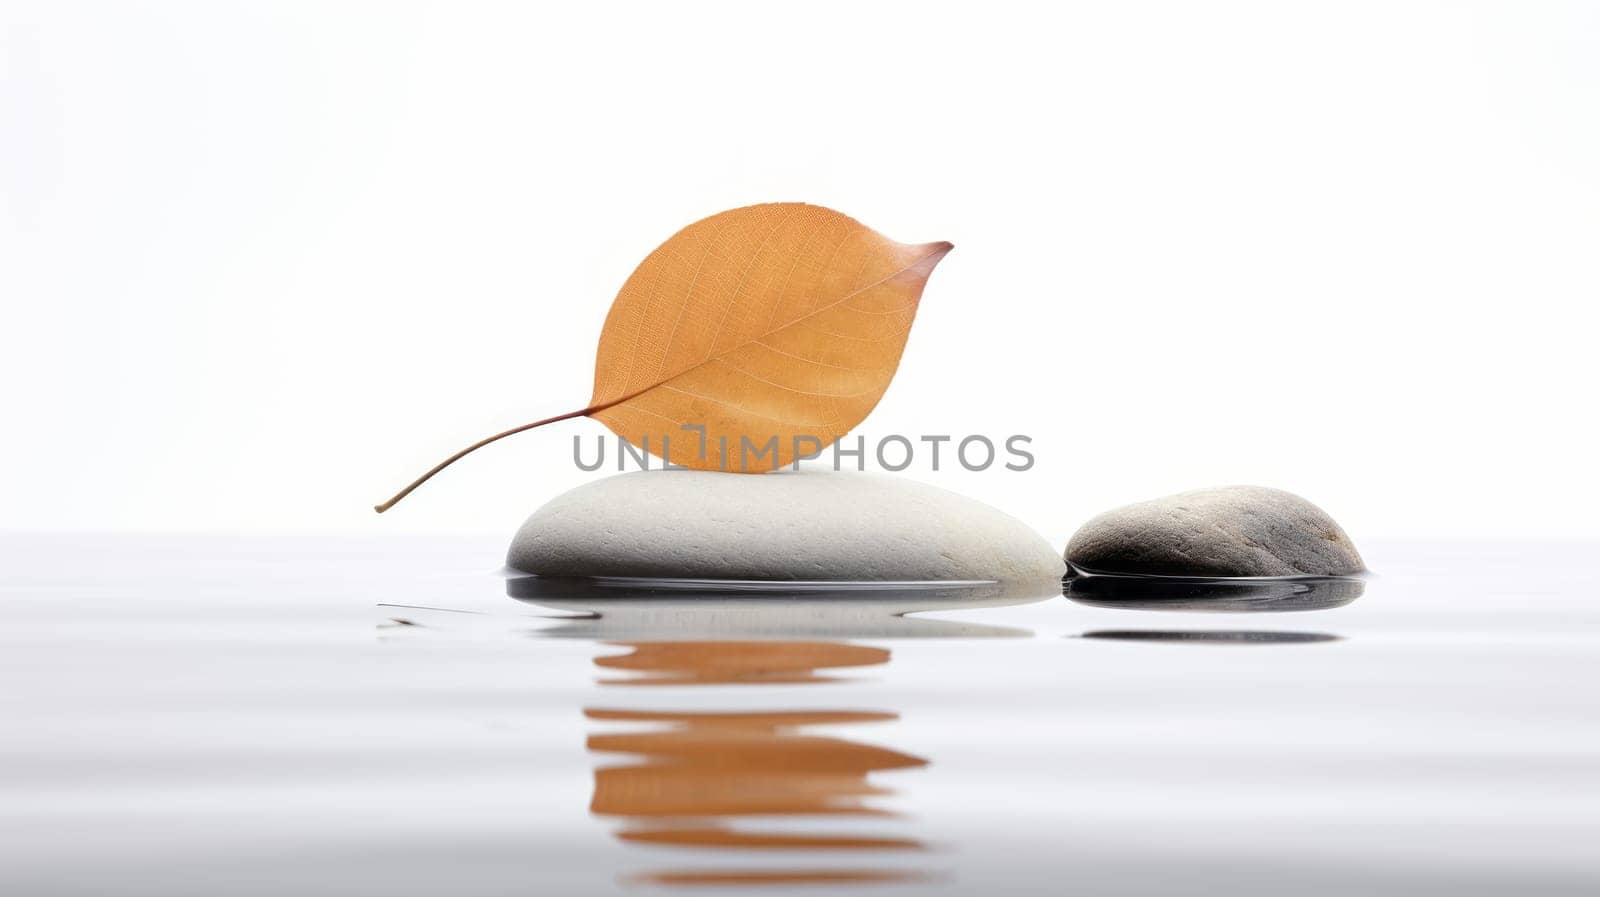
(267, 716)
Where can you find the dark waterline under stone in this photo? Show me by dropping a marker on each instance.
(1214, 595)
(636, 608)
(1212, 636)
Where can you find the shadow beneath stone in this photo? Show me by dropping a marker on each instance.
(1173, 593)
(1212, 637)
(638, 609)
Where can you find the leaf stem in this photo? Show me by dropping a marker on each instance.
(478, 445)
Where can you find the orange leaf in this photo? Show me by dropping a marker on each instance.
(766, 322)
(775, 328)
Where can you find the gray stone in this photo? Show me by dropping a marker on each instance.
(1230, 531)
(806, 526)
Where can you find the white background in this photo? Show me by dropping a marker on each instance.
(263, 263)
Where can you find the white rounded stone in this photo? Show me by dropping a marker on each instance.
(806, 525)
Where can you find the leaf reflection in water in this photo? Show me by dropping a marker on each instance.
(738, 782)
(731, 764)
(722, 663)
(717, 780)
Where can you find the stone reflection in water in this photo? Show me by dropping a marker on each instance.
(700, 778)
(755, 783)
